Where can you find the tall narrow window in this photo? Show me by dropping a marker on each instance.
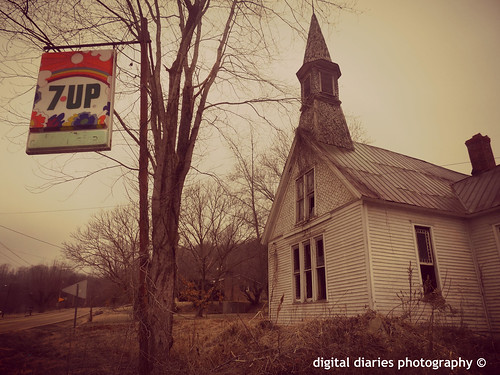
(310, 193)
(320, 269)
(309, 276)
(308, 269)
(305, 199)
(296, 271)
(300, 198)
(426, 259)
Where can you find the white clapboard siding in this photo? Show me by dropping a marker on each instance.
(391, 233)
(487, 251)
(346, 271)
(345, 252)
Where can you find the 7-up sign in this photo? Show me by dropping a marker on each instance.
(74, 93)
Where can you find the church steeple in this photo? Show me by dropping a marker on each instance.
(316, 48)
(318, 76)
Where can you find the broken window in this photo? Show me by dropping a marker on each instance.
(426, 259)
(309, 276)
(320, 269)
(310, 193)
(300, 199)
(305, 202)
(296, 271)
(308, 269)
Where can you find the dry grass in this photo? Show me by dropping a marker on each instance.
(258, 347)
(106, 346)
(240, 345)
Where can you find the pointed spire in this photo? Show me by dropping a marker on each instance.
(316, 48)
(321, 113)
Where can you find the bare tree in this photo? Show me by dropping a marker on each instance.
(211, 230)
(357, 130)
(42, 284)
(108, 246)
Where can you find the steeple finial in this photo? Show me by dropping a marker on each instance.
(316, 48)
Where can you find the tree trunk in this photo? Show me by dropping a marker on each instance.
(162, 274)
(161, 307)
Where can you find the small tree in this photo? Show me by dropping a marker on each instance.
(108, 246)
(211, 229)
(40, 285)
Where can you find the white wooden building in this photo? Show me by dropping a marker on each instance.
(350, 218)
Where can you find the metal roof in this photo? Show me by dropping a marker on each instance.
(481, 192)
(392, 177)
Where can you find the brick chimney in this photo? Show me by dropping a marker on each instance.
(480, 154)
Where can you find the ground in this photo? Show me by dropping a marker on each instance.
(249, 344)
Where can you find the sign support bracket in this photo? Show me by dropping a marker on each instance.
(106, 44)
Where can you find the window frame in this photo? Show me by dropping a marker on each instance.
(296, 273)
(305, 197)
(312, 286)
(323, 73)
(425, 265)
(320, 296)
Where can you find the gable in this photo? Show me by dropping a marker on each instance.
(375, 174)
(330, 191)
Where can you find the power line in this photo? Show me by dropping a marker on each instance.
(33, 238)
(62, 210)
(11, 259)
(24, 260)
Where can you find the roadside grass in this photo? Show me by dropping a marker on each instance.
(100, 347)
(240, 345)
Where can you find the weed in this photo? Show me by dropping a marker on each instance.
(242, 345)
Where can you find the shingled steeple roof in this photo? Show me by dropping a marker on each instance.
(316, 48)
(321, 113)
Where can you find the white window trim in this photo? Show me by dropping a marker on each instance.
(435, 258)
(314, 271)
(305, 204)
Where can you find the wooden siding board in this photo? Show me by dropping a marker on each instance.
(393, 247)
(488, 256)
(345, 271)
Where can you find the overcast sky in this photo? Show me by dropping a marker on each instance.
(421, 76)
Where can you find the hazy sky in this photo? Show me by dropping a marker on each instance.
(421, 76)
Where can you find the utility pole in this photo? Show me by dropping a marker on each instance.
(144, 362)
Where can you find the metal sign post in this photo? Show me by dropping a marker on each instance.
(76, 305)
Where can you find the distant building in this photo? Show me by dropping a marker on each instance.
(349, 218)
